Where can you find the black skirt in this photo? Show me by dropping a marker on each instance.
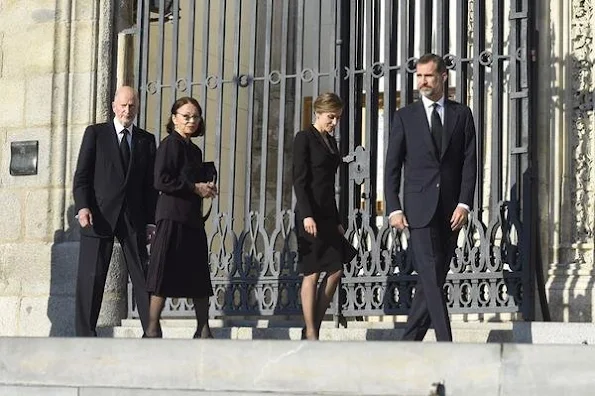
(327, 252)
(179, 262)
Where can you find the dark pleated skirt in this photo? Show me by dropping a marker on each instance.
(325, 253)
(179, 263)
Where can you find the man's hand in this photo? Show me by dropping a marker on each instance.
(459, 218)
(85, 217)
(399, 221)
(310, 226)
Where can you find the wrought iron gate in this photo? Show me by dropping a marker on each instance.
(255, 66)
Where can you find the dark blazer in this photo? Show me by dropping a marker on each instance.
(428, 176)
(314, 169)
(103, 185)
(177, 167)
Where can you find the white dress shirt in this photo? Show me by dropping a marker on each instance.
(429, 107)
(119, 132)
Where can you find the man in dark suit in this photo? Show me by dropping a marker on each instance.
(114, 197)
(434, 138)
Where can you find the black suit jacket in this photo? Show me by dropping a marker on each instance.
(429, 176)
(177, 167)
(314, 169)
(103, 185)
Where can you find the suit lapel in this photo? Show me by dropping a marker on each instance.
(451, 122)
(320, 140)
(333, 141)
(423, 126)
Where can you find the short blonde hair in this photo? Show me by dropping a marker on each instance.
(327, 102)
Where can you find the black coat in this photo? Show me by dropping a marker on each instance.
(103, 185)
(449, 177)
(177, 168)
(314, 169)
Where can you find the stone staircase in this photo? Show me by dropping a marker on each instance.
(463, 332)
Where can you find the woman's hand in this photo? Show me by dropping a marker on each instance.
(341, 229)
(205, 190)
(310, 226)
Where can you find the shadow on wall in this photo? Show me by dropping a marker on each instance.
(64, 267)
(60, 309)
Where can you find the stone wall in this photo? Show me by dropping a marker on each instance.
(567, 156)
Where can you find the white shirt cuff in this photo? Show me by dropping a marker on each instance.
(394, 213)
(464, 206)
(460, 205)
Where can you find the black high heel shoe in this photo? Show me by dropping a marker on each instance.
(158, 335)
(303, 333)
(145, 335)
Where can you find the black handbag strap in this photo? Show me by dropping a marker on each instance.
(205, 217)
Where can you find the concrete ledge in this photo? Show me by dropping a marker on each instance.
(60, 391)
(37, 391)
(135, 366)
(491, 332)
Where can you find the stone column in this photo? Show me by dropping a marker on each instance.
(567, 72)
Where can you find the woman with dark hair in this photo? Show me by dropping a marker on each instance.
(321, 245)
(179, 265)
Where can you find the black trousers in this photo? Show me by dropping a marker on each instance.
(94, 260)
(433, 248)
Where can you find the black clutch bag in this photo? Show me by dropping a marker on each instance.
(208, 172)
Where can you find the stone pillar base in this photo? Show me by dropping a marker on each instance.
(570, 294)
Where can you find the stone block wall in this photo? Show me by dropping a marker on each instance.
(55, 60)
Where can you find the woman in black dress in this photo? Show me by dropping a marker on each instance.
(321, 245)
(179, 265)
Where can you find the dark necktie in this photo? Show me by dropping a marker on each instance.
(125, 149)
(436, 128)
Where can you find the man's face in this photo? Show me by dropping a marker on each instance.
(430, 83)
(125, 107)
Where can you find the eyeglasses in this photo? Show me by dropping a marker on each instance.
(188, 117)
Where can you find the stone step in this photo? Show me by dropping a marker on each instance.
(135, 367)
(283, 323)
(463, 332)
